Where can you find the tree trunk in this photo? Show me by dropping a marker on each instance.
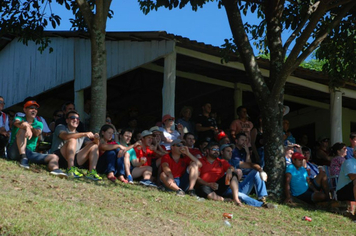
(272, 114)
(98, 80)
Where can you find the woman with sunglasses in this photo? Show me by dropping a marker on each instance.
(339, 151)
(168, 134)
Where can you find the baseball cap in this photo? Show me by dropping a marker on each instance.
(31, 103)
(146, 133)
(176, 141)
(222, 147)
(166, 117)
(155, 128)
(298, 155)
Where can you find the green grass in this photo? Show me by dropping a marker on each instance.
(35, 203)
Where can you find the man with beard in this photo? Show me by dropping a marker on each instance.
(216, 176)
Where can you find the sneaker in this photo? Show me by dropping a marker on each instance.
(24, 163)
(130, 179)
(151, 184)
(180, 193)
(59, 173)
(192, 193)
(263, 199)
(269, 205)
(145, 182)
(93, 175)
(73, 172)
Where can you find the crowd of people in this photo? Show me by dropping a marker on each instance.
(190, 158)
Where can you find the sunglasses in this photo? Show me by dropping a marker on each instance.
(170, 119)
(59, 115)
(32, 107)
(74, 117)
(179, 145)
(2, 102)
(215, 149)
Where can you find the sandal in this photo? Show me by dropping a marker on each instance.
(122, 179)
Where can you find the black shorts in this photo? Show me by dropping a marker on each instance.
(63, 162)
(346, 193)
(204, 190)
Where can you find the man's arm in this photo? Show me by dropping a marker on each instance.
(250, 165)
(185, 151)
(66, 136)
(288, 177)
(201, 128)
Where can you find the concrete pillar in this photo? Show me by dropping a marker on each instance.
(79, 103)
(169, 84)
(237, 98)
(336, 116)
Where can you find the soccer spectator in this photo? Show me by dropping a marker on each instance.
(339, 151)
(216, 175)
(24, 136)
(185, 120)
(289, 149)
(287, 135)
(189, 142)
(67, 107)
(169, 135)
(322, 153)
(299, 185)
(147, 157)
(257, 143)
(241, 125)
(252, 180)
(109, 154)
(4, 128)
(205, 125)
(316, 173)
(346, 184)
(67, 143)
(128, 160)
(56, 115)
(351, 150)
(180, 169)
(157, 134)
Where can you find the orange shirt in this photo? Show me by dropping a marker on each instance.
(212, 172)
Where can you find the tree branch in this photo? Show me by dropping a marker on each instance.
(245, 50)
(323, 34)
(311, 10)
(86, 12)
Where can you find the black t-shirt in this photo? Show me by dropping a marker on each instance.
(205, 122)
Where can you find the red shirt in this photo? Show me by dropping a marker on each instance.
(212, 172)
(177, 168)
(149, 154)
(108, 142)
(195, 152)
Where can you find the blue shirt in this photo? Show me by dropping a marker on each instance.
(239, 154)
(298, 182)
(350, 153)
(348, 167)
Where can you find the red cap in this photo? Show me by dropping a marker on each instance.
(166, 117)
(31, 103)
(298, 155)
(220, 135)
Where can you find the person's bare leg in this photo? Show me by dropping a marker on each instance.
(193, 175)
(68, 151)
(144, 171)
(89, 152)
(215, 197)
(52, 161)
(234, 185)
(127, 163)
(21, 141)
(168, 182)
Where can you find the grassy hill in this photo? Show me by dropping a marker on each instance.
(35, 203)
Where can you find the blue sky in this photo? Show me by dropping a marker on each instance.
(208, 25)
